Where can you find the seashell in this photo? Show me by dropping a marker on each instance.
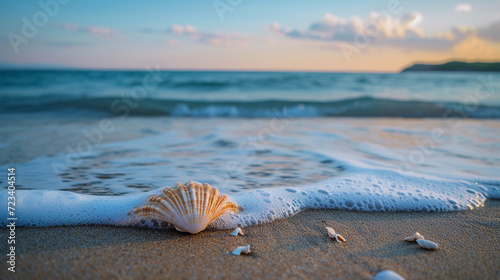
(414, 237)
(332, 234)
(237, 231)
(387, 275)
(241, 249)
(190, 208)
(426, 244)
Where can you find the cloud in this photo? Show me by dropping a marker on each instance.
(178, 29)
(96, 31)
(212, 38)
(474, 45)
(491, 32)
(381, 30)
(463, 8)
(332, 27)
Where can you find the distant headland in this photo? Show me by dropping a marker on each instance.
(456, 66)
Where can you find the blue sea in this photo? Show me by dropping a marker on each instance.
(251, 94)
(88, 146)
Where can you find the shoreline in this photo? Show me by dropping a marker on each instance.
(294, 248)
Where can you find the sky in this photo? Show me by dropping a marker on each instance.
(277, 35)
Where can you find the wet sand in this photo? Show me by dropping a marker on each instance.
(295, 248)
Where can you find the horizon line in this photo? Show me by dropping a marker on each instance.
(187, 70)
(14, 67)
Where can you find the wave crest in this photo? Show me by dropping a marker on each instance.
(357, 107)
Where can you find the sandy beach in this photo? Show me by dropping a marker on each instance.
(295, 248)
(378, 119)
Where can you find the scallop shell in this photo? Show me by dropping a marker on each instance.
(333, 234)
(414, 237)
(236, 232)
(190, 208)
(241, 249)
(426, 244)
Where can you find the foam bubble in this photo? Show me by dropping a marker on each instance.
(395, 192)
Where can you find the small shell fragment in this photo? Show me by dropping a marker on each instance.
(414, 237)
(387, 275)
(236, 232)
(333, 234)
(241, 249)
(426, 244)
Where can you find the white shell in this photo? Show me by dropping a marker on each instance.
(426, 244)
(387, 275)
(241, 249)
(237, 231)
(333, 234)
(414, 237)
(190, 207)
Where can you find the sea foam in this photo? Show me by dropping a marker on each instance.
(365, 190)
(312, 164)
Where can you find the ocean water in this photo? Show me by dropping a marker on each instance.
(88, 146)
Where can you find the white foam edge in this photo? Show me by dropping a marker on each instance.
(385, 191)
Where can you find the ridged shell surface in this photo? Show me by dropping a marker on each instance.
(190, 207)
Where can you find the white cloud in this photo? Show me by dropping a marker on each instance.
(377, 29)
(177, 29)
(466, 8)
(334, 28)
(213, 38)
(274, 27)
(97, 31)
(190, 29)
